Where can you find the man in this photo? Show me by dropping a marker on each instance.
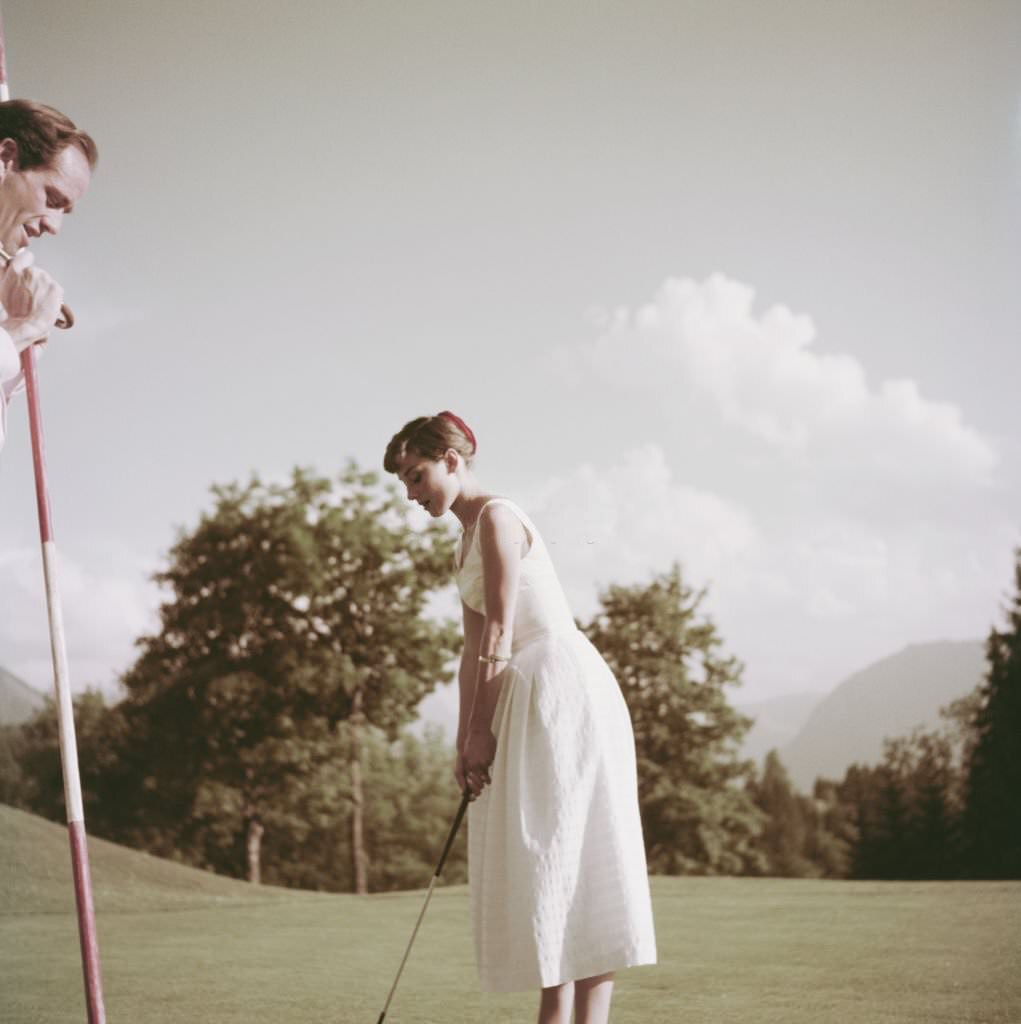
(46, 164)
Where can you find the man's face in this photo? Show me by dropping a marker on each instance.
(33, 203)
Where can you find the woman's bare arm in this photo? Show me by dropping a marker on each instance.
(468, 670)
(503, 542)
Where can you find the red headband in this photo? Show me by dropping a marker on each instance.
(462, 426)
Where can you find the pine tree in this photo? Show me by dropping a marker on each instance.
(992, 815)
(903, 810)
(786, 832)
(831, 841)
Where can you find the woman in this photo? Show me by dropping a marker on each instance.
(557, 877)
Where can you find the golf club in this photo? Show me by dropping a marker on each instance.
(432, 882)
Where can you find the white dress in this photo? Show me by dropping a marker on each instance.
(558, 882)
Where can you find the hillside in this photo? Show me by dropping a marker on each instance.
(34, 852)
(18, 701)
(888, 698)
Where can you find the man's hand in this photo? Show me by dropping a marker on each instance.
(31, 299)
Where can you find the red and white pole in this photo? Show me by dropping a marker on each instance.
(65, 712)
(62, 680)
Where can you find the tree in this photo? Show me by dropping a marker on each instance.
(413, 798)
(406, 829)
(12, 781)
(291, 609)
(830, 843)
(992, 814)
(788, 823)
(307, 819)
(904, 810)
(804, 836)
(379, 574)
(36, 747)
(667, 656)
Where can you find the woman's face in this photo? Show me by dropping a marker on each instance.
(433, 483)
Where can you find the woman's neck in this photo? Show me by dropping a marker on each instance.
(467, 505)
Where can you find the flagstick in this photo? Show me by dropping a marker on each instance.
(65, 711)
(62, 682)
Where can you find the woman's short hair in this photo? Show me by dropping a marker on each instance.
(42, 133)
(430, 437)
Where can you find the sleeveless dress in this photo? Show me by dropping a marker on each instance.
(558, 884)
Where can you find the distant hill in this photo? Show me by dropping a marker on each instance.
(777, 721)
(18, 701)
(884, 700)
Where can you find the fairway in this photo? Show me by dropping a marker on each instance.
(180, 945)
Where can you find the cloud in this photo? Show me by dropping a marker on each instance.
(104, 610)
(816, 602)
(803, 600)
(844, 519)
(619, 523)
(761, 377)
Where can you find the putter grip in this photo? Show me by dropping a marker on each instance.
(453, 832)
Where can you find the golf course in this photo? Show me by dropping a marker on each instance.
(184, 945)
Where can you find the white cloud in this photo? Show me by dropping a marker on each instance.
(761, 376)
(862, 516)
(104, 610)
(802, 600)
(620, 523)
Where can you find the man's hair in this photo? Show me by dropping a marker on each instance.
(42, 133)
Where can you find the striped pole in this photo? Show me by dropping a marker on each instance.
(62, 680)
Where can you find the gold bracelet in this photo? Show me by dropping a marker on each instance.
(494, 659)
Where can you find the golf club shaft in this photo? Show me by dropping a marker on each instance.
(428, 896)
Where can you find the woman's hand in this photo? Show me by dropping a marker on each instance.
(460, 772)
(479, 754)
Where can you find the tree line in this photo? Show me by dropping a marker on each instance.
(263, 728)
(942, 803)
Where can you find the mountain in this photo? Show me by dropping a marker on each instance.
(18, 701)
(887, 699)
(777, 721)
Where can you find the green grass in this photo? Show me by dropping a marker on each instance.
(181, 945)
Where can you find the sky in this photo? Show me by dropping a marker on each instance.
(733, 284)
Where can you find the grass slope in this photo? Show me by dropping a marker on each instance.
(181, 945)
(35, 875)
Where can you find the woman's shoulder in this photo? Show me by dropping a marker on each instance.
(500, 517)
(498, 509)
